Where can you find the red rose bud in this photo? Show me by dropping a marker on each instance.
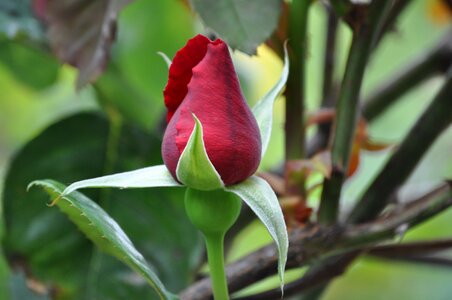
(202, 81)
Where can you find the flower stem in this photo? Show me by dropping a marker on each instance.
(213, 213)
(215, 255)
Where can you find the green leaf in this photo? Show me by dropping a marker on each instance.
(194, 168)
(263, 110)
(18, 59)
(244, 24)
(76, 148)
(100, 228)
(5, 276)
(155, 176)
(143, 24)
(114, 91)
(259, 196)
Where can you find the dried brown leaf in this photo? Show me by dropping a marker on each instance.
(81, 32)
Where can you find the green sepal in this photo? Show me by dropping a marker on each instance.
(261, 198)
(194, 168)
(263, 110)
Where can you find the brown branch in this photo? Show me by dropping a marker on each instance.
(409, 215)
(335, 266)
(411, 249)
(416, 252)
(314, 277)
(430, 260)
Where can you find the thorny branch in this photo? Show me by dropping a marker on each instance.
(313, 243)
(347, 108)
(424, 259)
(314, 277)
(320, 140)
(334, 266)
(435, 61)
(435, 119)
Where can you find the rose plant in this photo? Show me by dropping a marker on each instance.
(212, 146)
(214, 142)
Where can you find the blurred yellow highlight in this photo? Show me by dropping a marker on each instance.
(440, 11)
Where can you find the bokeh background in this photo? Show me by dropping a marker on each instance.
(35, 92)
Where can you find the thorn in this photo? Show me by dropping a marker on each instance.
(55, 201)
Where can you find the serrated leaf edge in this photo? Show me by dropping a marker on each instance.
(154, 281)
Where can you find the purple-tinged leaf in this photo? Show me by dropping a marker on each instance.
(81, 32)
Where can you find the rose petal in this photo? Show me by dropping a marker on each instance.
(180, 72)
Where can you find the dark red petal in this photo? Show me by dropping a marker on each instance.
(231, 134)
(180, 72)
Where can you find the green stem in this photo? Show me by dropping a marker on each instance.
(213, 213)
(295, 90)
(215, 255)
(329, 58)
(329, 90)
(347, 109)
(435, 119)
